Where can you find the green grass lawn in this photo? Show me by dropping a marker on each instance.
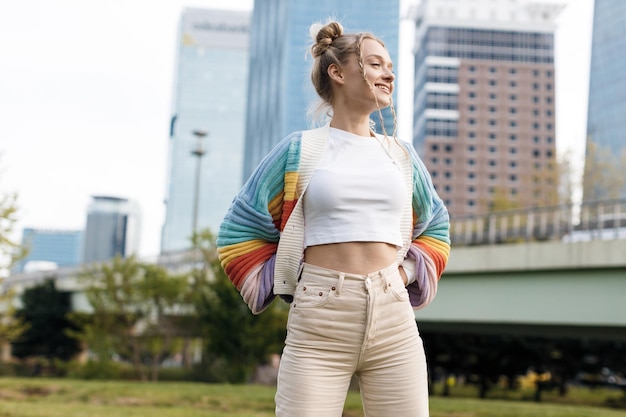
(74, 398)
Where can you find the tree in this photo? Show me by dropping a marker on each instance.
(603, 177)
(10, 251)
(135, 307)
(236, 341)
(44, 310)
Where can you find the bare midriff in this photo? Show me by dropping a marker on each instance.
(353, 257)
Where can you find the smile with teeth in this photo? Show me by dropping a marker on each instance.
(383, 87)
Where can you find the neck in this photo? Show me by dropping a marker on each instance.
(358, 125)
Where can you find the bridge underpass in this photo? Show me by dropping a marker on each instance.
(548, 289)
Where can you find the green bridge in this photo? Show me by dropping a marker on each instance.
(550, 288)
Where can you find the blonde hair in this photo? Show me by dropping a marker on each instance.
(332, 46)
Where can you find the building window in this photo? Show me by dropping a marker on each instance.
(448, 148)
(535, 86)
(492, 83)
(549, 113)
(447, 188)
(535, 99)
(471, 94)
(471, 148)
(492, 109)
(492, 163)
(512, 71)
(471, 203)
(536, 126)
(472, 81)
(535, 112)
(513, 164)
(513, 177)
(492, 136)
(492, 122)
(536, 139)
(448, 161)
(471, 135)
(434, 161)
(493, 70)
(536, 153)
(471, 162)
(492, 96)
(434, 147)
(549, 100)
(492, 149)
(548, 126)
(513, 138)
(512, 151)
(471, 121)
(549, 74)
(472, 68)
(493, 177)
(512, 123)
(512, 97)
(471, 108)
(513, 110)
(471, 189)
(512, 84)
(548, 87)
(549, 139)
(447, 174)
(471, 175)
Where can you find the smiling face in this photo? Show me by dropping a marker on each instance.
(369, 86)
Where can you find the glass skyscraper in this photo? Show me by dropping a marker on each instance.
(50, 248)
(280, 90)
(113, 229)
(208, 110)
(606, 117)
(484, 108)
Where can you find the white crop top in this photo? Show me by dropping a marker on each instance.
(356, 193)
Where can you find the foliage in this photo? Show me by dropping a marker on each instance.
(486, 360)
(236, 340)
(10, 252)
(45, 309)
(603, 177)
(135, 310)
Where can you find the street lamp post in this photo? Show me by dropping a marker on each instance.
(198, 152)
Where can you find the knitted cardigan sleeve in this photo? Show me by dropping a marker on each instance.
(430, 247)
(248, 236)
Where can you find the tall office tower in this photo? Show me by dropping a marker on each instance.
(484, 119)
(113, 228)
(606, 114)
(207, 128)
(280, 91)
(49, 248)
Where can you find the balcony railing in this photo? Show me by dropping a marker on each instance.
(568, 223)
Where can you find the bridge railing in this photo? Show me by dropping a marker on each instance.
(566, 222)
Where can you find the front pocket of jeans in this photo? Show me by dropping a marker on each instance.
(311, 295)
(400, 293)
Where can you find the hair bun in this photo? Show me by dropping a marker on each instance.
(323, 36)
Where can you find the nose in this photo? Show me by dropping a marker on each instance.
(389, 75)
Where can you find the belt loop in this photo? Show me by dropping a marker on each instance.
(339, 284)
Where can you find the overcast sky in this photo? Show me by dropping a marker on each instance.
(86, 90)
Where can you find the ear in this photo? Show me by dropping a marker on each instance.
(335, 73)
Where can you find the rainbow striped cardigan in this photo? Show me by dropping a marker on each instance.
(260, 241)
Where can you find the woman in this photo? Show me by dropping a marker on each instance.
(344, 224)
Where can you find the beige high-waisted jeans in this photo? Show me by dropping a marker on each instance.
(341, 325)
